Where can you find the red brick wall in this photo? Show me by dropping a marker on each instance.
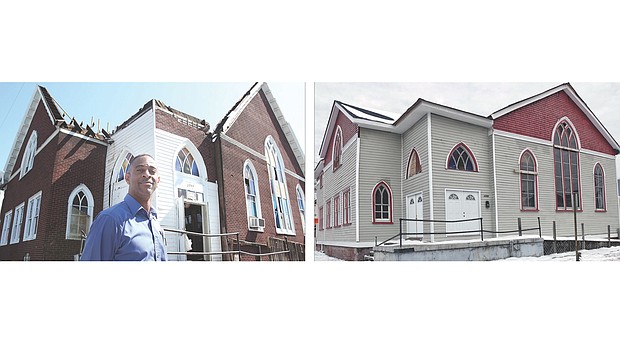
(167, 122)
(43, 125)
(252, 127)
(77, 161)
(539, 118)
(349, 130)
(62, 165)
(19, 191)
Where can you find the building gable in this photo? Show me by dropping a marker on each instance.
(255, 122)
(537, 117)
(261, 91)
(46, 117)
(348, 130)
(37, 107)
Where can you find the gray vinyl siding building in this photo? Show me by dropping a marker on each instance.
(509, 208)
(416, 138)
(343, 178)
(508, 152)
(470, 169)
(444, 138)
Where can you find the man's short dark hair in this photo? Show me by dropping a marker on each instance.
(139, 156)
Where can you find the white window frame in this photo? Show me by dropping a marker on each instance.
(346, 212)
(17, 223)
(603, 190)
(90, 203)
(120, 161)
(248, 164)
(388, 204)
(279, 190)
(32, 220)
(337, 150)
(301, 203)
(194, 162)
(6, 225)
(29, 154)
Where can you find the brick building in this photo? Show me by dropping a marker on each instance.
(60, 174)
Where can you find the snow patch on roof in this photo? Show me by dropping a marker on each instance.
(371, 115)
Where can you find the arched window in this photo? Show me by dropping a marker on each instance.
(29, 153)
(252, 197)
(337, 149)
(599, 187)
(301, 204)
(124, 167)
(566, 166)
(529, 181)
(382, 203)
(80, 212)
(461, 158)
(279, 192)
(413, 166)
(185, 163)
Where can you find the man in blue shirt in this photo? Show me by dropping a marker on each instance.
(129, 230)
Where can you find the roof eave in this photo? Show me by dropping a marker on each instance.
(21, 133)
(286, 127)
(331, 122)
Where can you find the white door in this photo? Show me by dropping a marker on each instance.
(415, 210)
(462, 205)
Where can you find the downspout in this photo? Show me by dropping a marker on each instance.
(495, 183)
(357, 188)
(402, 181)
(430, 175)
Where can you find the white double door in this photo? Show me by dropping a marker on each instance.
(460, 205)
(415, 210)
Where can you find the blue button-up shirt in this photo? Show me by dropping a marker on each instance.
(125, 232)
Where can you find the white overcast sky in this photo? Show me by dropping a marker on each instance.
(481, 98)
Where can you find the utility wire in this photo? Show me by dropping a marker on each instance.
(10, 108)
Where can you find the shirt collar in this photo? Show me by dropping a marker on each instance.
(135, 207)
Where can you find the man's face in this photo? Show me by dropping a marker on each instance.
(142, 178)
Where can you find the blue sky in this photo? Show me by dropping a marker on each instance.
(114, 102)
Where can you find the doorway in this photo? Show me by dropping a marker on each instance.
(194, 223)
(461, 205)
(415, 210)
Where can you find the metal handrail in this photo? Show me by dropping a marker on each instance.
(236, 234)
(199, 234)
(481, 231)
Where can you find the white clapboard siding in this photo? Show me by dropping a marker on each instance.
(167, 146)
(138, 137)
(169, 208)
(211, 197)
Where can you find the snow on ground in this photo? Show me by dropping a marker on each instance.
(320, 256)
(601, 254)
